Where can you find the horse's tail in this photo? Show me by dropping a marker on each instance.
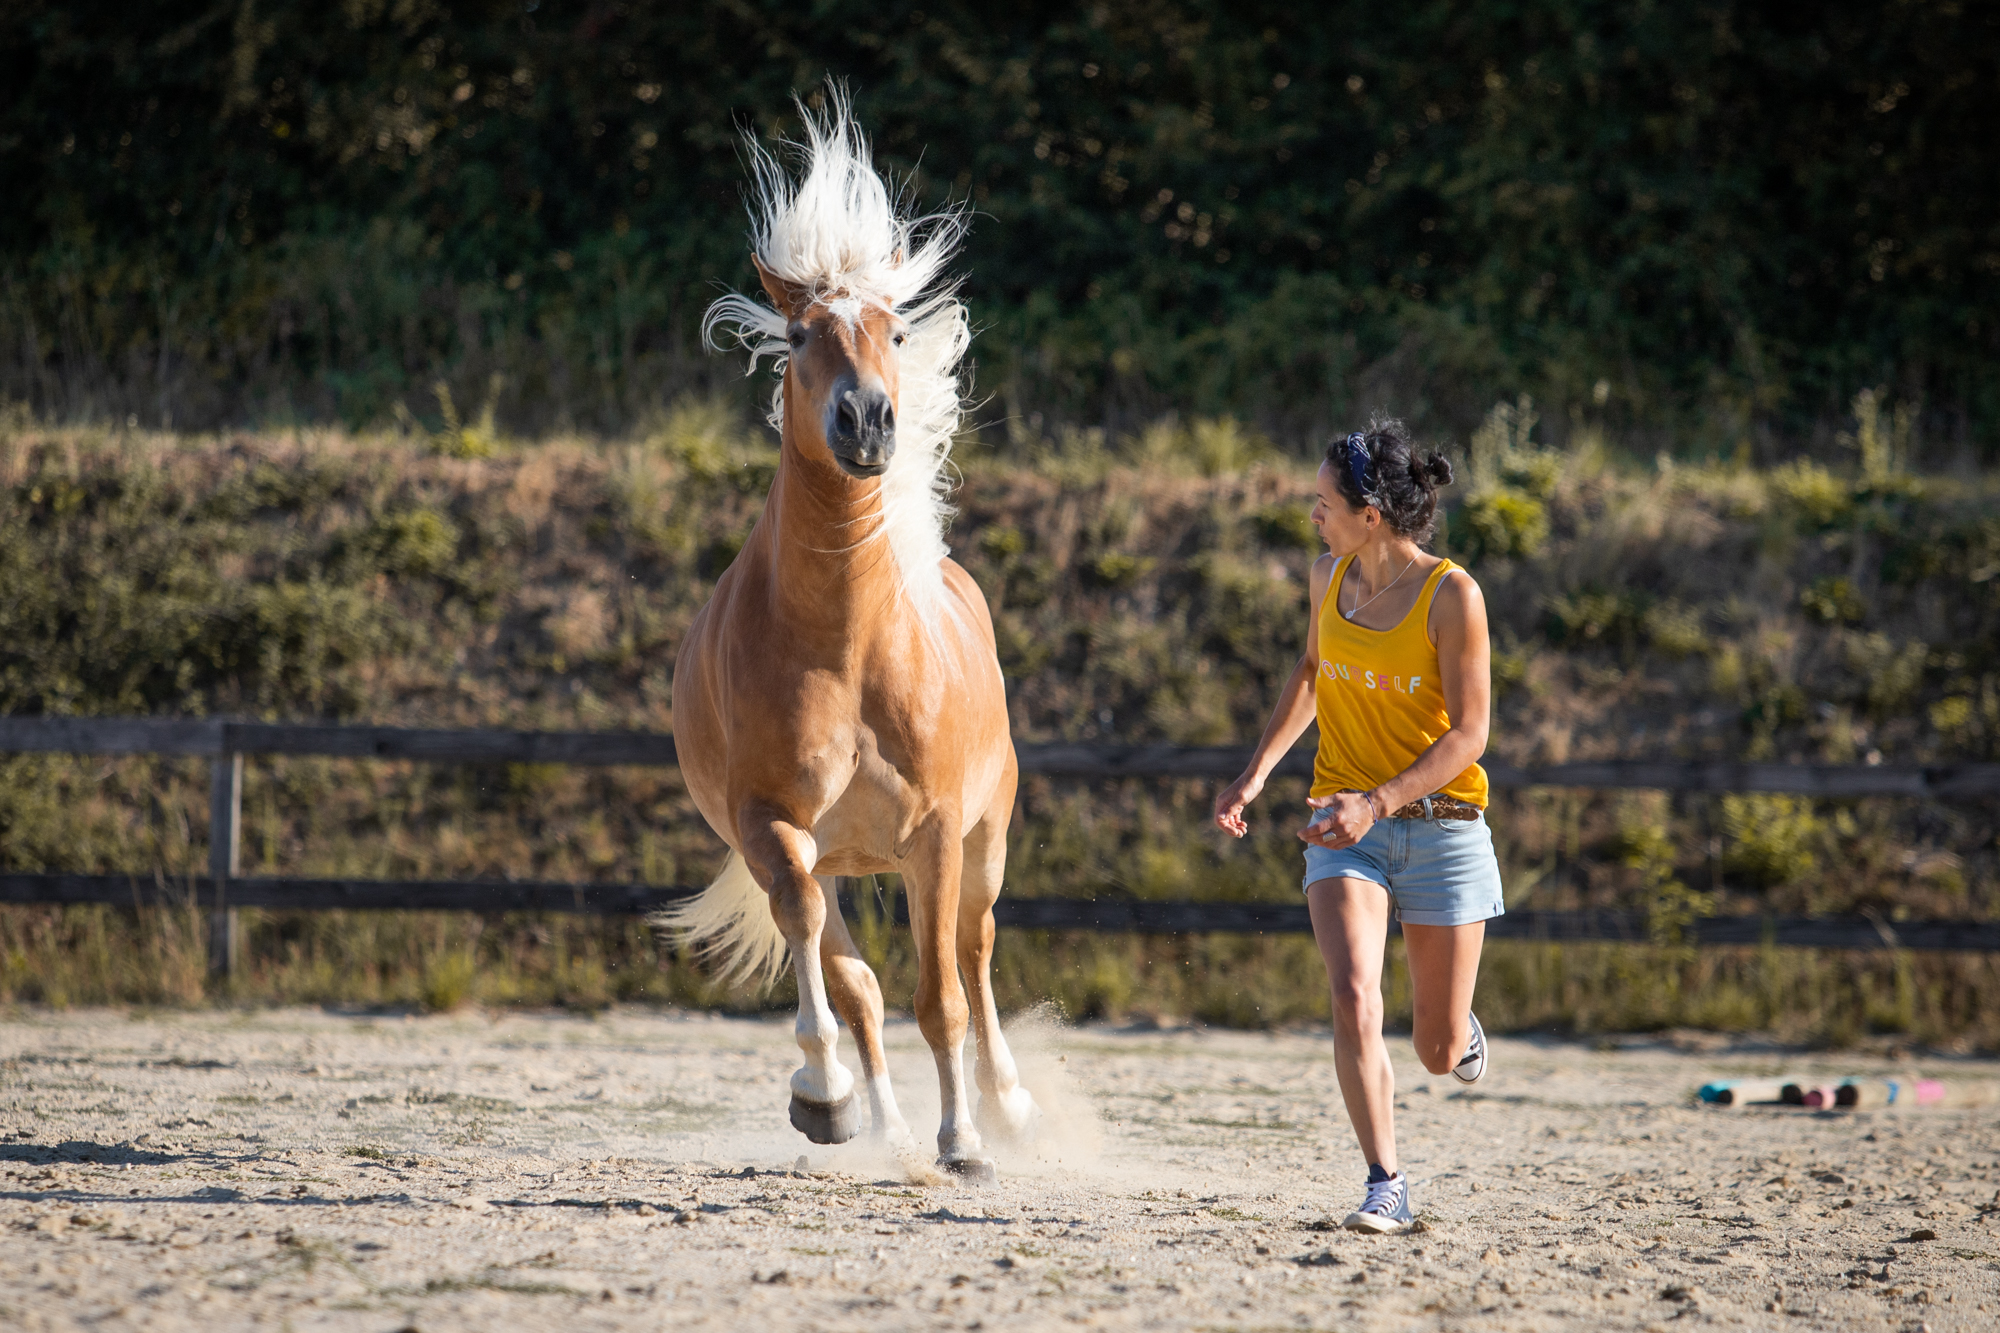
(729, 923)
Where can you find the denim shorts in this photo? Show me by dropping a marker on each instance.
(1438, 872)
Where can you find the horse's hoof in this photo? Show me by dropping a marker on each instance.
(826, 1124)
(971, 1171)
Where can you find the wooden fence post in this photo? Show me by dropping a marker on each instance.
(225, 837)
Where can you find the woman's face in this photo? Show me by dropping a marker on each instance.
(1342, 527)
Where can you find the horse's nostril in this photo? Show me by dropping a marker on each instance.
(846, 420)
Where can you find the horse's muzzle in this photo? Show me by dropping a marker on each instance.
(862, 434)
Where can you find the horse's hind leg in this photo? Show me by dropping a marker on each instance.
(857, 998)
(1006, 1110)
(779, 853)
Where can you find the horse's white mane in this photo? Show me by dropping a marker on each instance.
(836, 232)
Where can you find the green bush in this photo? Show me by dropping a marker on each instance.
(1509, 672)
(1815, 497)
(721, 553)
(1534, 472)
(1592, 619)
(1833, 601)
(458, 439)
(1889, 674)
(1287, 526)
(1220, 446)
(1115, 569)
(413, 542)
(1002, 543)
(1675, 630)
(1501, 522)
(448, 980)
(1030, 583)
(1769, 840)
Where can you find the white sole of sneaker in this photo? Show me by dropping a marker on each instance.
(1374, 1224)
(1483, 1056)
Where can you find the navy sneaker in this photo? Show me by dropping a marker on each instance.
(1473, 1063)
(1386, 1210)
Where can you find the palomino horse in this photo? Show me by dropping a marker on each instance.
(838, 707)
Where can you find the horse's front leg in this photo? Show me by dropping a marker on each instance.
(1006, 1109)
(931, 871)
(857, 997)
(780, 855)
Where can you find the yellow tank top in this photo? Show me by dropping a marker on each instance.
(1378, 697)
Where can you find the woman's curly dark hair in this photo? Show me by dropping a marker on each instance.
(1402, 483)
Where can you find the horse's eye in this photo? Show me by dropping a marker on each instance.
(796, 336)
(898, 339)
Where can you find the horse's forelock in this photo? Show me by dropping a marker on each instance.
(836, 231)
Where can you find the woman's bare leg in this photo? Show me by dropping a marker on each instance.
(1444, 965)
(1350, 920)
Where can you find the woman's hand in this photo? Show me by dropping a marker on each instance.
(1349, 816)
(1230, 801)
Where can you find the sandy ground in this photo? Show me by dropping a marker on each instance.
(303, 1170)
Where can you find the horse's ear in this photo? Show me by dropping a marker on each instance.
(789, 297)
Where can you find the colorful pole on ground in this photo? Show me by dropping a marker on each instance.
(1743, 1091)
(1849, 1094)
(1867, 1094)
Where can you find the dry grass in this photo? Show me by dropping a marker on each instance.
(1150, 588)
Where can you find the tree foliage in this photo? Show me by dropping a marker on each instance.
(1723, 219)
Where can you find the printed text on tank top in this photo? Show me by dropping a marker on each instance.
(1363, 676)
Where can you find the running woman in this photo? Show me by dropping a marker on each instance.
(1395, 673)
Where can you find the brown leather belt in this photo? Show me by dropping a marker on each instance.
(1438, 807)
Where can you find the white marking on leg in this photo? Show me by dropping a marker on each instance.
(822, 1078)
(890, 1126)
(1005, 1107)
(958, 1139)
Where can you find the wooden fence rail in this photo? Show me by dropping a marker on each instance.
(1117, 915)
(217, 737)
(225, 743)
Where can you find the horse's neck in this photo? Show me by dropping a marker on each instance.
(831, 563)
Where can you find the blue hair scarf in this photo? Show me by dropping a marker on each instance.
(1359, 469)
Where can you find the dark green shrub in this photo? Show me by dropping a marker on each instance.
(1287, 527)
(720, 553)
(1115, 569)
(1030, 583)
(1593, 619)
(1002, 543)
(1509, 672)
(1813, 496)
(1769, 840)
(1675, 630)
(414, 542)
(1500, 522)
(1833, 601)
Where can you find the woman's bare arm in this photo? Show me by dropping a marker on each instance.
(1289, 719)
(1465, 674)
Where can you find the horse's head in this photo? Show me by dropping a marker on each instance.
(840, 372)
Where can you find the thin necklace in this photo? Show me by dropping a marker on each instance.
(1392, 583)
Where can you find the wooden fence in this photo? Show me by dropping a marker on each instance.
(223, 890)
